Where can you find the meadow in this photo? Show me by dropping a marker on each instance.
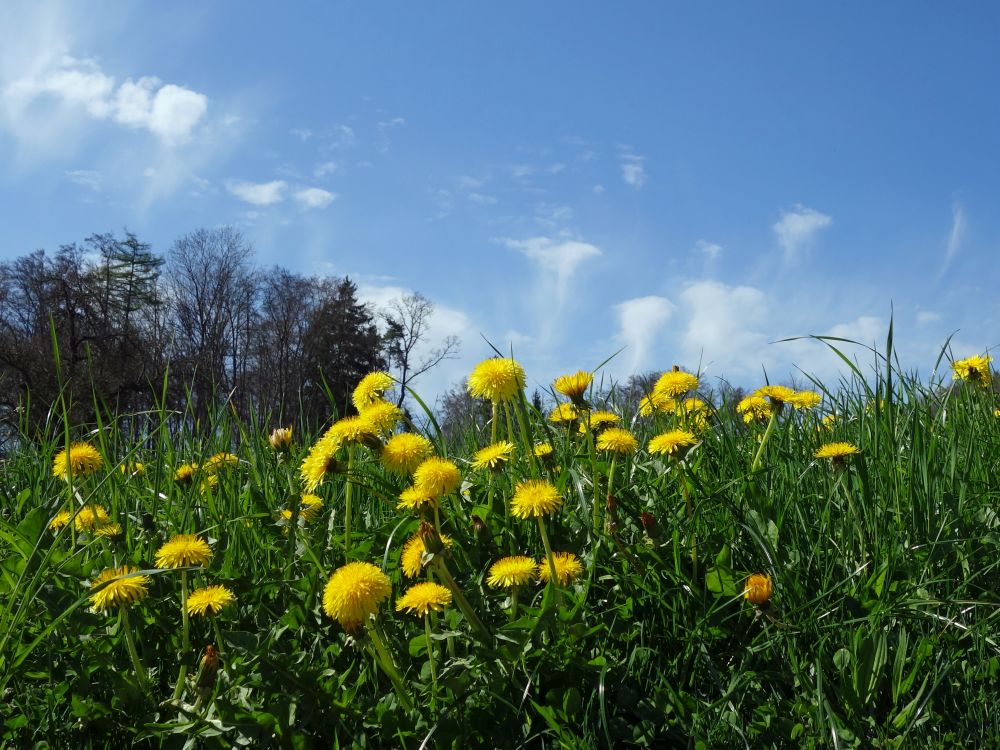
(800, 568)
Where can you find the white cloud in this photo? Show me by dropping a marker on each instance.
(641, 321)
(597, 189)
(723, 325)
(633, 168)
(926, 317)
(560, 259)
(954, 238)
(327, 167)
(796, 229)
(303, 134)
(258, 194)
(709, 249)
(314, 197)
(68, 84)
(85, 178)
(482, 200)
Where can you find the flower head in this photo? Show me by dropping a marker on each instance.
(422, 598)
(182, 551)
(837, 451)
(352, 430)
(754, 409)
(320, 461)
(600, 420)
(544, 451)
(209, 600)
(59, 520)
(310, 506)
(828, 421)
(534, 498)
(497, 379)
(675, 383)
(220, 461)
(568, 568)
(280, 439)
(805, 399)
(415, 496)
(759, 588)
(91, 517)
(437, 476)
(403, 453)
(564, 413)
(617, 440)
(370, 389)
(382, 416)
(133, 469)
(975, 369)
(493, 456)
(412, 559)
(574, 386)
(779, 394)
(109, 530)
(657, 402)
(185, 473)
(508, 572)
(672, 442)
(123, 588)
(79, 460)
(354, 592)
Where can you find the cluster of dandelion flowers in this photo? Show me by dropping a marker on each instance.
(754, 409)
(493, 457)
(437, 476)
(574, 386)
(758, 589)
(280, 439)
(599, 420)
(535, 498)
(675, 383)
(568, 568)
(321, 460)
(79, 460)
(498, 379)
(183, 551)
(412, 559)
(563, 414)
(122, 588)
(975, 369)
(403, 453)
(509, 572)
(354, 592)
(672, 443)
(382, 416)
(370, 389)
(617, 440)
(422, 598)
(209, 600)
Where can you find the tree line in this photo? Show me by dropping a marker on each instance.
(109, 325)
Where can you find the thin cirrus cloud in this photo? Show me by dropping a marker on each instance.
(955, 237)
(797, 228)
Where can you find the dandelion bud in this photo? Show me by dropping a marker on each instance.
(478, 525)
(431, 539)
(759, 588)
(650, 525)
(281, 439)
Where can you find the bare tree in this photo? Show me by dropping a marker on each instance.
(407, 322)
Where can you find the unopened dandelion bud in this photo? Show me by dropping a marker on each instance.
(650, 525)
(281, 439)
(431, 538)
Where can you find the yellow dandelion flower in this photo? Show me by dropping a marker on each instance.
(534, 498)
(414, 497)
(544, 451)
(657, 402)
(564, 413)
(691, 405)
(352, 430)
(220, 461)
(493, 456)
(320, 461)
(497, 379)
(412, 559)
(354, 592)
(310, 506)
(837, 450)
(568, 568)
(185, 473)
(779, 394)
(754, 409)
(371, 388)
(79, 460)
(828, 421)
(209, 484)
(437, 476)
(513, 571)
(91, 517)
(280, 439)
(759, 589)
(134, 469)
(422, 598)
(403, 453)
(209, 600)
(183, 551)
(59, 520)
(382, 416)
(574, 386)
(675, 383)
(617, 440)
(109, 530)
(805, 399)
(672, 442)
(975, 369)
(123, 588)
(599, 420)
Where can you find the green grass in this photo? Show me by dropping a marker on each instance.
(883, 630)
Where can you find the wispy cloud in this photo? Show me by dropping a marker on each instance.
(796, 229)
(325, 168)
(640, 322)
(709, 249)
(633, 168)
(258, 194)
(85, 178)
(955, 237)
(314, 197)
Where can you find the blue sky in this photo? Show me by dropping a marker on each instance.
(689, 181)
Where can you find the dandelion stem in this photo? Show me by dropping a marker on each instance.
(430, 660)
(348, 492)
(460, 600)
(185, 634)
(140, 671)
(763, 440)
(385, 661)
(493, 422)
(553, 578)
(611, 481)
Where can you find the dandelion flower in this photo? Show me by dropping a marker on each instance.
(109, 531)
(412, 558)
(354, 592)
(544, 451)
(672, 442)
(415, 497)
(568, 568)
(779, 394)
(209, 484)
(806, 399)
(91, 517)
(675, 383)
(493, 456)
(535, 498)
(134, 469)
(310, 506)
(403, 453)
(79, 460)
(422, 598)
(122, 589)
(828, 421)
(599, 420)
(382, 416)
(280, 439)
(513, 571)
(320, 461)
(563, 413)
(370, 389)
(437, 476)
(352, 430)
(759, 588)
(574, 386)
(185, 473)
(182, 551)
(754, 409)
(209, 600)
(59, 520)
(837, 451)
(617, 440)
(497, 379)
(220, 461)
(975, 369)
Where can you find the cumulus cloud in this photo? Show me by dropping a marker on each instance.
(258, 194)
(641, 321)
(797, 228)
(314, 197)
(723, 325)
